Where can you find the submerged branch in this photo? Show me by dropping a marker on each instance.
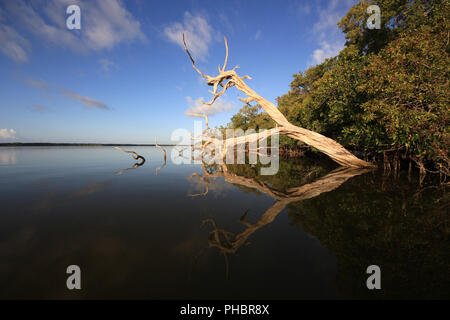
(133, 154)
(165, 156)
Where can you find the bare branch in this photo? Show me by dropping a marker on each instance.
(193, 62)
(164, 150)
(226, 56)
(202, 134)
(324, 144)
(200, 115)
(247, 100)
(217, 95)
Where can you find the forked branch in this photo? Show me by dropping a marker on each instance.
(192, 59)
(229, 78)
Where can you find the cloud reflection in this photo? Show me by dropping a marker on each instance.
(8, 157)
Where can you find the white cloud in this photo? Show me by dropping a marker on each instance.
(328, 18)
(13, 44)
(327, 51)
(89, 103)
(329, 37)
(197, 106)
(257, 35)
(106, 64)
(304, 8)
(8, 157)
(111, 24)
(216, 187)
(40, 84)
(104, 24)
(226, 23)
(197, 31)
(7, 134)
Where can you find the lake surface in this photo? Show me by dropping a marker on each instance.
(192, 232)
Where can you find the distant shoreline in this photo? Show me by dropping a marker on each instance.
(48, 144)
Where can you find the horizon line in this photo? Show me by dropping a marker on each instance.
(79, 144)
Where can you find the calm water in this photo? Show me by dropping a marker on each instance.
(309, 232)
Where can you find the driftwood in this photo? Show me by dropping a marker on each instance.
(229, 78)
(133, 154)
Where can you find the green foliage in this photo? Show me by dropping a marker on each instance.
(251, 117)
(386, 91)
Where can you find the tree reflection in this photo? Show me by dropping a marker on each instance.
(134, 166)
(402, 227)
(135, 156)
(229, 242)
(394, 221)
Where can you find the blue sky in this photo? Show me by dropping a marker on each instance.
(124, 77)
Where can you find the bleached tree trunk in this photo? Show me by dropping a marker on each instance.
(230, 78)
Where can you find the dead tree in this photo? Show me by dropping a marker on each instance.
(229, 78)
